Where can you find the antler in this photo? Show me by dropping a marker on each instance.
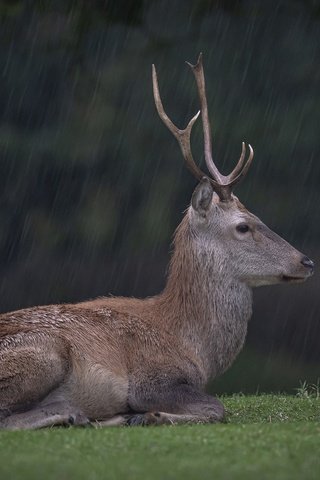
(183, 136)
(222, 184)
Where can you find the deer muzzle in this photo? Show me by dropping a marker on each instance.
(309, 264)
(305, 271)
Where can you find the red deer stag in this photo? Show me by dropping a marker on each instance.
(124, 361)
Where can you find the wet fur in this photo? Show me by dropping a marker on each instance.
(116, 361)
(113, 356)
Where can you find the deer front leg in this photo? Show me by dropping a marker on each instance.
(173, 405)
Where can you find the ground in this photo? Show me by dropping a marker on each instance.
(264, 437)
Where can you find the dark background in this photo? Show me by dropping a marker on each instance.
(93, 185)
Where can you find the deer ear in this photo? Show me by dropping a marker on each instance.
(202, 197)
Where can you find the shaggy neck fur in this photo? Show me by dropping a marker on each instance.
(203, 304)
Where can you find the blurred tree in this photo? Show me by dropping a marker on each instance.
(92, 185)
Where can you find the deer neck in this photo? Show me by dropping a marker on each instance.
(204, 305)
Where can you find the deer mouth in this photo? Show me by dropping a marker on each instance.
(292, 279)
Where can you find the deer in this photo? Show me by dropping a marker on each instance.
(115, 361)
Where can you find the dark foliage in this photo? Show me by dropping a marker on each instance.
(92, 185)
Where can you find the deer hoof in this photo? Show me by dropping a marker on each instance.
(144, 419)
(78, 420)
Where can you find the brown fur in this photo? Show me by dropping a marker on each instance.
(113, 360)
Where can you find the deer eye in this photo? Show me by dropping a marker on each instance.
(242, 228)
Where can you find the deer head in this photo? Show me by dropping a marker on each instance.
(234, 239)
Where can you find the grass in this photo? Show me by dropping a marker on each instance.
(265, 437)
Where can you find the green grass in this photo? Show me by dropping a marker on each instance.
(265, 437)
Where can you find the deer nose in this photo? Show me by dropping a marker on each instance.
(306, 262)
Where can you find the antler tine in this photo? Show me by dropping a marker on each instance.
(242, 171)
(237, 169)
(182, 136)
(197, 70)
